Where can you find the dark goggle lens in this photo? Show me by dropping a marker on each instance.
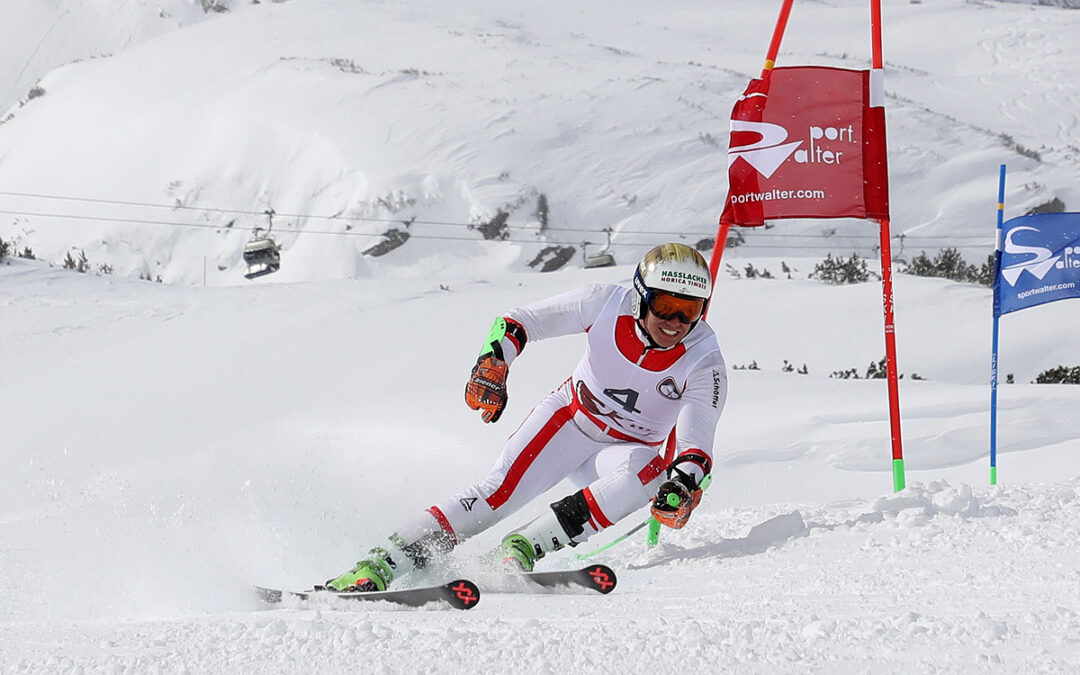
(668, 307)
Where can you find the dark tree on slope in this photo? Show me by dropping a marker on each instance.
(80, 264)
(949, 264)
(1059, 375)
(832, 270)
(542, 211)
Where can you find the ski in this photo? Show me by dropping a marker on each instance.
(459, 594)
(600, 578)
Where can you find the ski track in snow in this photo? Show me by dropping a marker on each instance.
(833, 588)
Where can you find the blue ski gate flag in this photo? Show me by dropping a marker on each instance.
(1040, 261)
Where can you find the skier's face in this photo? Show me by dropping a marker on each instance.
(665, 332)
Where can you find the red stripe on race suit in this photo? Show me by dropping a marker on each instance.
(652, 470)
(528, 454)
(594, 509)
(444, 523)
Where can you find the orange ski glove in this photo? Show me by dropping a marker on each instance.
(486, 390)
(674, 503)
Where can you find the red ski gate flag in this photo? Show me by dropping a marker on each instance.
(807, 143)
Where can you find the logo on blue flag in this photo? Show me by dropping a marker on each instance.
(1040, 261)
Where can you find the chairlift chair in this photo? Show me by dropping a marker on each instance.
(600, 260)
(261, 269)
(262, 255)
(263, 250)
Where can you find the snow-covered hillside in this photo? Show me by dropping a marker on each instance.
(37, 36)
(353, 118)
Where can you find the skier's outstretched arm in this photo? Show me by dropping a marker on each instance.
(564, 314)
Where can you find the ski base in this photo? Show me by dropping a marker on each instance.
(459, 594)
(600, 578)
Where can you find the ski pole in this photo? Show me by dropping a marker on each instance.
(652, 523)
(648, 521)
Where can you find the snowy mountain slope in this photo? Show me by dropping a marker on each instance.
(167, 446)
(336, 113)
(37, 36)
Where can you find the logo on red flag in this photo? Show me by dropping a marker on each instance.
(806, 143)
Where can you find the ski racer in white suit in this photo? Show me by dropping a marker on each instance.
(650, 365)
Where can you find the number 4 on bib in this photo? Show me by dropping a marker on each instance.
(627, 398)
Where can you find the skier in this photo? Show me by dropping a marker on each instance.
(649, 363)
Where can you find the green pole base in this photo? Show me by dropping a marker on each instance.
(993, 475)
(898, 475)
(654, 532)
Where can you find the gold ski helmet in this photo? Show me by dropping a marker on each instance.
(673, 270)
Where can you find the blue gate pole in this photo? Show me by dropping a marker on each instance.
(997, 316)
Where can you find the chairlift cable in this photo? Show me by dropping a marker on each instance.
(978, 240)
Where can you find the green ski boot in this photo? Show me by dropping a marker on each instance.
(518, 554)
(373, 573)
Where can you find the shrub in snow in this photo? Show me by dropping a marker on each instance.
(789, 367)
(949, 264)
(219, 6)
(875, 371)
(80, 264)
(1059, 375)
(542, 211)
(832, 270)
(752, 273)
(4, 247)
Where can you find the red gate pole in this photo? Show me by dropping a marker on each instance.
(778, 35)
(770, 61)
(890, 359)
(717, 254)
(878, 98)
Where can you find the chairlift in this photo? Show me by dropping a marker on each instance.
(602, 259)
(262, 255)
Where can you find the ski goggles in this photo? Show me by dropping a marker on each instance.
(667, 306)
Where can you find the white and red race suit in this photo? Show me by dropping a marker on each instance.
(605, 427)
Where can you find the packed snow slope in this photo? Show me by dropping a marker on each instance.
(164, 447)
(351, 119)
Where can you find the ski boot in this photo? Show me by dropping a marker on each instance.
(518, 554)
(373, 573)
(398, 558)
(520, 550)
